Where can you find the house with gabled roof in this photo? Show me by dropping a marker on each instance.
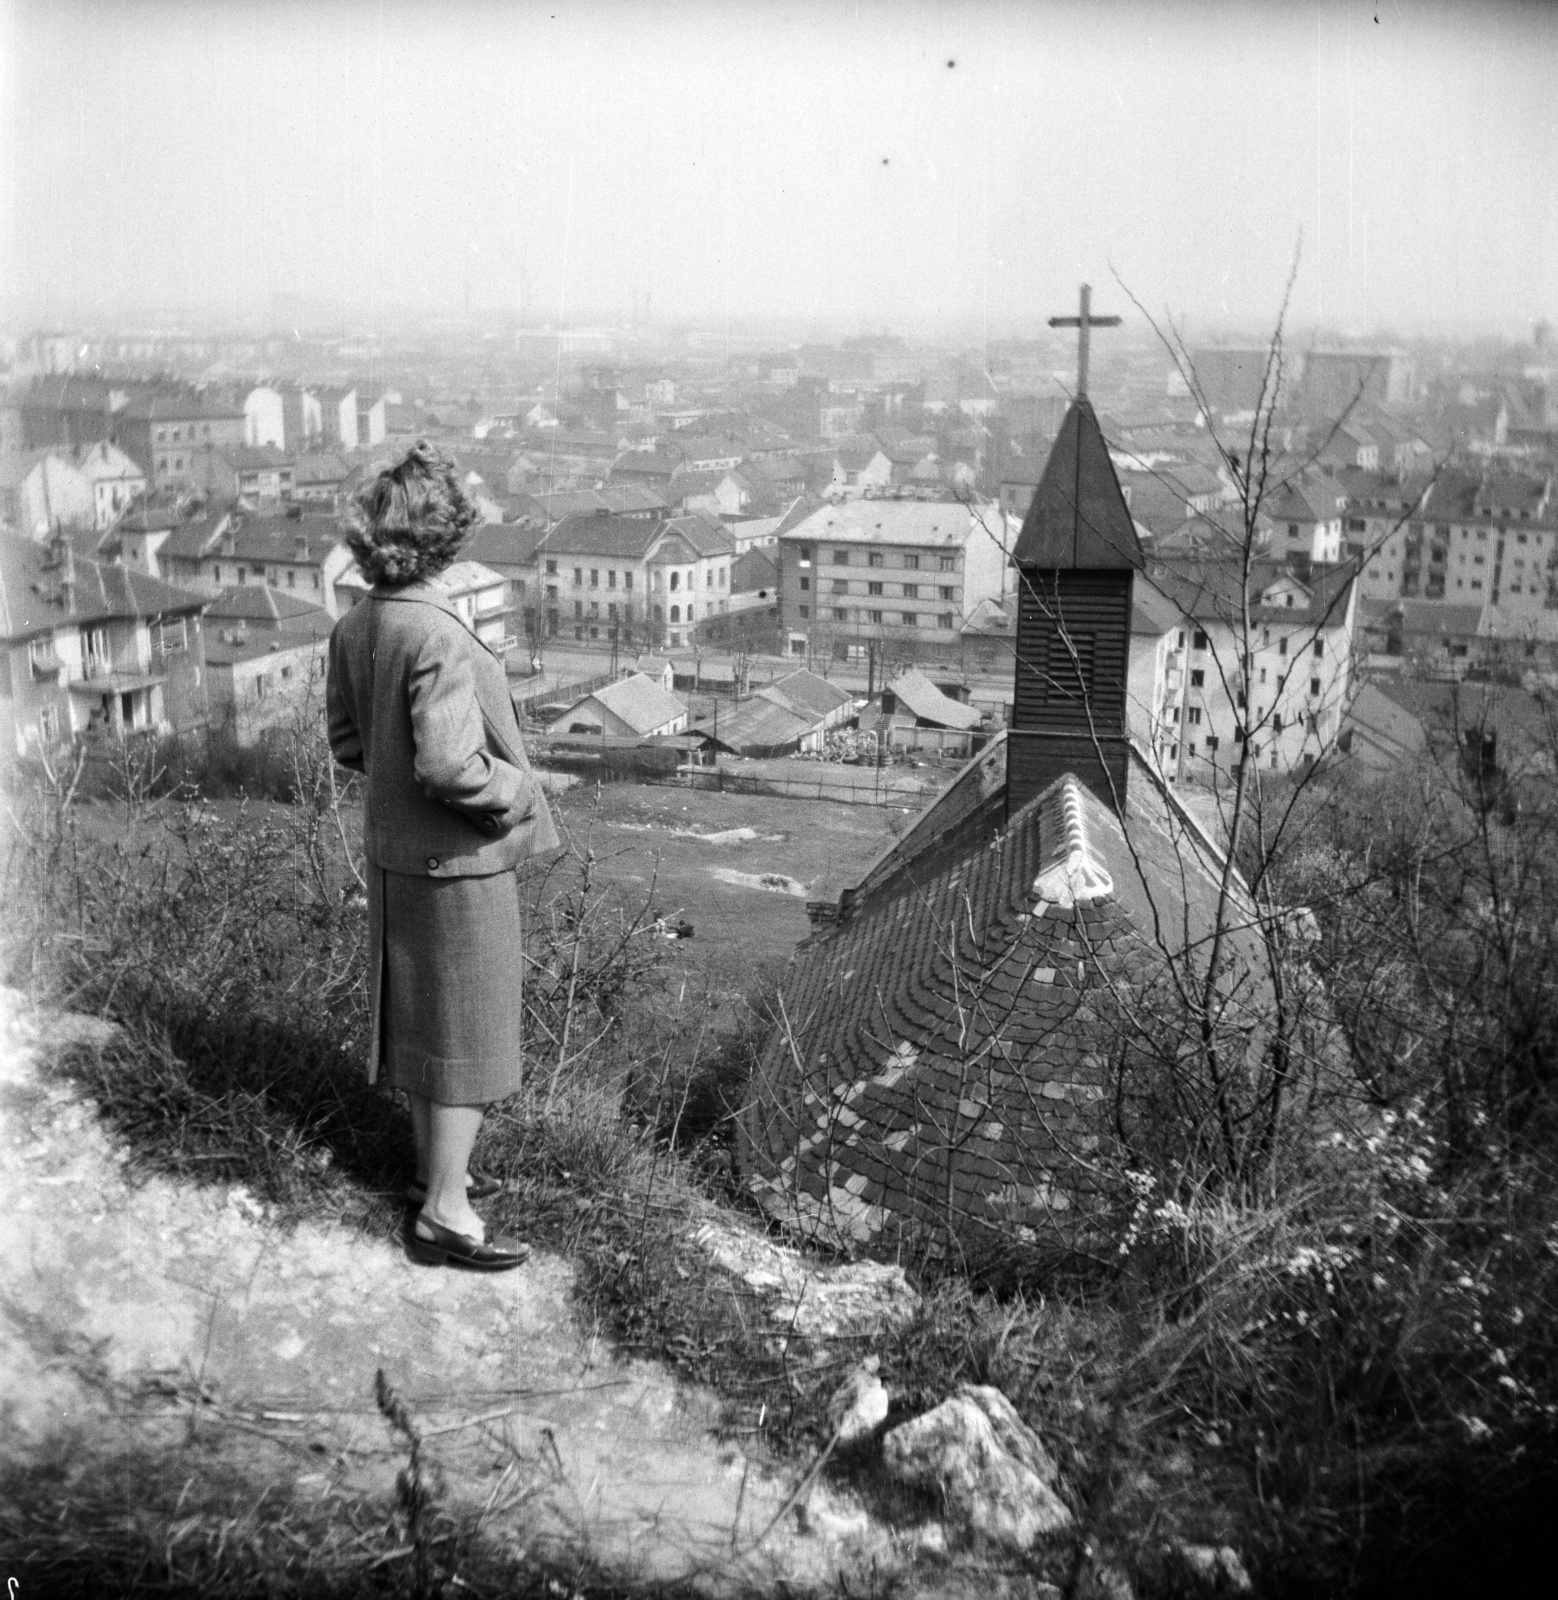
(650, 580)
(93, 648)
(953, 1063)
(228, 545)
(635, 706)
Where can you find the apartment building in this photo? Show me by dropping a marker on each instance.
(1284, 683)
(92, 649)
(1464, 538)
(906, 571)
(649, 580)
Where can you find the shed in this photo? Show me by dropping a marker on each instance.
(632, 707)
(913, 692)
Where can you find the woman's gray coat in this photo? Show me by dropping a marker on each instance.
(421, 707)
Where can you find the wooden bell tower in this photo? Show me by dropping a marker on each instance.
(1076, 558)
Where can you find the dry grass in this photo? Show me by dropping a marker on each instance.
(1353, 1379)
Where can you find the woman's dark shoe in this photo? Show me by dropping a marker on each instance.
(482, 1186)
(438, 1246)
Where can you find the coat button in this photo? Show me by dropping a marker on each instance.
(432, 861)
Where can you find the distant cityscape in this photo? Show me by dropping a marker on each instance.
(173, 561)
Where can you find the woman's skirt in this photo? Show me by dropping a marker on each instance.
(448, 1007)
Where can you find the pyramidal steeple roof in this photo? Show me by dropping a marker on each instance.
(1079, 518)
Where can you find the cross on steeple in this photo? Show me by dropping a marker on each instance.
(1082, 323)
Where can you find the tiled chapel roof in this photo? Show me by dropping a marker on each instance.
(963, 1012)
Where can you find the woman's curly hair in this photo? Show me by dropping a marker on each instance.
(412, 519)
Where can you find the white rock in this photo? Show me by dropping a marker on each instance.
(993, 1473)
(1213, 1568)
(859, 1404)
(851, 1301)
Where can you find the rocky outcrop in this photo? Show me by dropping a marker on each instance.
(995, 1477)
(856, 1300)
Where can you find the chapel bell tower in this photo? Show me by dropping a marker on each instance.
(1076, 558)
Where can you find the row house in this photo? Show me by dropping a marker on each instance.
(646, 580)
(93, 649)
(864, 571)
(1262, 652)
(301, 555)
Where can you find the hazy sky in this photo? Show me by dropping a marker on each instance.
(864, 163)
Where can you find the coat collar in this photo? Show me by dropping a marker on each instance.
(423, 589)
(429, 593)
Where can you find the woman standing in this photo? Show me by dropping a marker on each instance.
(421, 707)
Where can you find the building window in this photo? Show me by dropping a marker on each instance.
(1193, 716)
(595, 577)
(292, 578)
(873, 588)
(1314, 686)
(911, 591)
(578, 608)
(910, 619)
(1211, 744)
(316, 580)
(948, 563)
(171, 635)
(676, 613)
(840, 614)
(874, 616)
(676, 581)
(803, 554)
(578, 577)
(912, 562)
(611, 612)
(841, 586)
(1276, 722)
(874, 558)
(1197, 643)
(803, 611)
(1282, 645)
(841, 558)
(944, 620)
(1197, 678)
(805, 585)
(945, 592)
(551, 569)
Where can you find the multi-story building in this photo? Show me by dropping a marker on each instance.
(93, 648)
(1272, 663)
(1463, 538)
(265, 420)
(165, 431)
(302, 555)
(116, 482)
(905, 572)
(649, 580)
(337, 416)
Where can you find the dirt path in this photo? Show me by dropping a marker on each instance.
(141, 1313)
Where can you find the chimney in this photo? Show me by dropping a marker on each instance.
(1076, 559)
